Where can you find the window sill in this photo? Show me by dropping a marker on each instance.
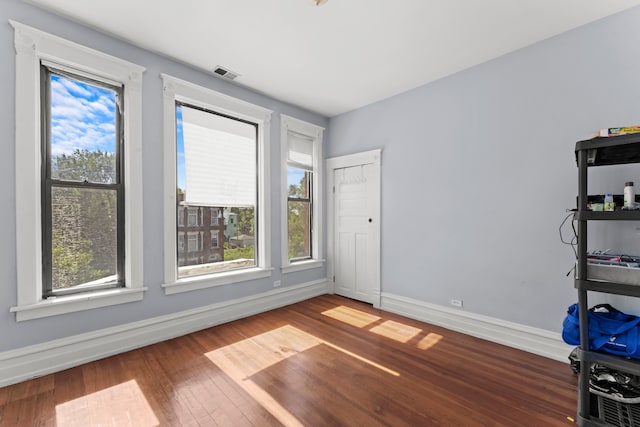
(302, 265)
(218, 279)
(77, 302)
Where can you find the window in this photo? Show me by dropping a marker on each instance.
(99, 261)
(180, 213)
(193, 217)
(214, 240)
(193, 242)
(301, 178)
(219, 168)
(214, 216)
(82, 186)
(216, 161)
(299, 218)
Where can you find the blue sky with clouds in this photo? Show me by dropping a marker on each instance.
(82, 116)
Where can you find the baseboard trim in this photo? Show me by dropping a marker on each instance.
(53, 356)
(534, 340)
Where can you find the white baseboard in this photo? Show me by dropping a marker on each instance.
(537, 341)
(53, 356)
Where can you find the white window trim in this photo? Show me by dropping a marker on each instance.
(175, 89)
(32, 46)
(315, 132)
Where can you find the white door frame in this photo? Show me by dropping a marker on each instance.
(374, 158)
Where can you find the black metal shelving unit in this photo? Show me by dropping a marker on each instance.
(610, 151)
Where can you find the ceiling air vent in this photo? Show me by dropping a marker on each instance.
(224, 73)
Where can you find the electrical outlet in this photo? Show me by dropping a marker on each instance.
(456, 303)
(276, 283)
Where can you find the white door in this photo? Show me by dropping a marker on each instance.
(354, 232)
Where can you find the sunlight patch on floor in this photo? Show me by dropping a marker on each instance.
(247, 357)
(254, 354)
(351, 316)
(396, 331)
(429, 341)
(121, 405)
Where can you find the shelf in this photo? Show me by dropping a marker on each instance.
(630, 366)
(614, 150)
(608, 216)
(618, 150)
(608, 287)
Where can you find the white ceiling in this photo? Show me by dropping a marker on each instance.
(340, 56)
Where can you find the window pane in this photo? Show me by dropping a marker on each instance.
(83, 226)
(205, 253)
(298, 182)
(299, 229)
(83, 131)
(299, 213)
(216, 161)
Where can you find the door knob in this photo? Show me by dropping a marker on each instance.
(370, 220)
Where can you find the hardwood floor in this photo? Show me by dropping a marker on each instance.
(328, 361)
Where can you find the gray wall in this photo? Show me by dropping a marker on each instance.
(15, 335)
(478, 169)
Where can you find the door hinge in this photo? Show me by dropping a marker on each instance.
(334, 279)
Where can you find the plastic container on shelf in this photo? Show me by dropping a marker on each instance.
(609, 204)
(629, 194)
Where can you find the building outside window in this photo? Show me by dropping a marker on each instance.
(199, 233)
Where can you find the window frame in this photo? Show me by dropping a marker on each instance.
(308, 201)
(48, 182)
(177, 90)
(32, 48)
(315, 133)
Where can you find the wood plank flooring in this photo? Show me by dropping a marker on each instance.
(328, 361)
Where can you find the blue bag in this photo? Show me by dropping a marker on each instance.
(610, 331)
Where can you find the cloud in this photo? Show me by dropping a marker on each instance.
(82, 117)
(74, 88)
